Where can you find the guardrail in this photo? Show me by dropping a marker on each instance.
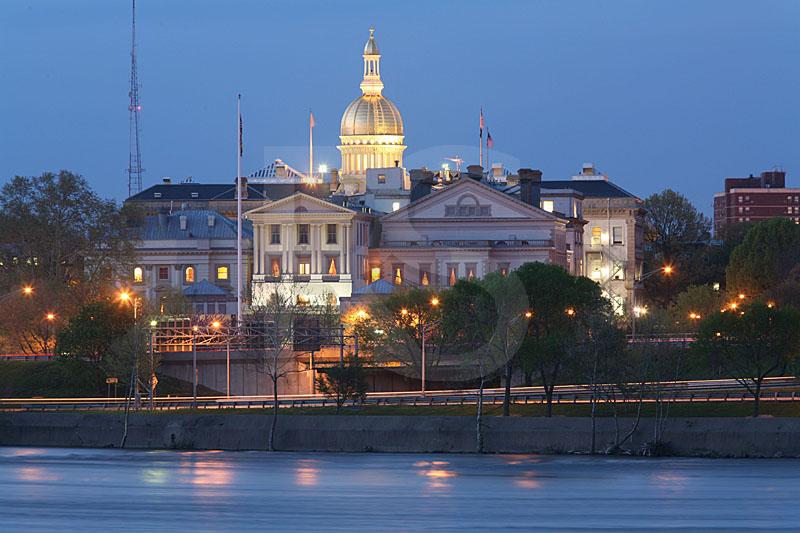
(676, 392)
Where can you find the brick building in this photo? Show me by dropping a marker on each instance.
(754, 199)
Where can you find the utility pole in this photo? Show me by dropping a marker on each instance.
(135, 169)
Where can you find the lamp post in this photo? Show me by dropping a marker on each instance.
(194, 366)
(49, 318)
(636, 310)
(423, 328)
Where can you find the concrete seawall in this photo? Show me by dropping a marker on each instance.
(722, 437)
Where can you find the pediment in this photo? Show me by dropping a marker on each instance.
(468, 199)
(299, 204)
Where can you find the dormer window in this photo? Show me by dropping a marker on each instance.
(156, 195)
(195, 195)
(381, 178)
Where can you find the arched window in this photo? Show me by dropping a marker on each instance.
(188, 275)
(138, 275)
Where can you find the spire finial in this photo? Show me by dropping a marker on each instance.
(372, 31)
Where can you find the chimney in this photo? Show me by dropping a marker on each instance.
(334, 179)
(243, 182)
(530, 186)
(421, 183)
(475, 172)
(183, 219)
(397, 162)
(166, 180)
(211, 220)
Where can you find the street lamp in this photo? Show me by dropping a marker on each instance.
(27, 290)
(667, 270)
(424, 326)
(126, 297)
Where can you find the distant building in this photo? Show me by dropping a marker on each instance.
(613, 236)
(310, 245)
(193, 253)
(756, 198)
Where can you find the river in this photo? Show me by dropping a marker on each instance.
(110, 490)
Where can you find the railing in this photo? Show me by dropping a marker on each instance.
(470, 243)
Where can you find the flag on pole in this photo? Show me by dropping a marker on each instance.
(483, 125)
(311, 119)
(489, 140)
(241, 142)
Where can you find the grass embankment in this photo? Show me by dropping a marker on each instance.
(694, 409)
(70, 378)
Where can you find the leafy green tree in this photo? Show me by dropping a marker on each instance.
(769, 252)
(560, 303)
(391, 329)
(470, 317)
(693, 304)
(344, 382)
(751, 344)
(92, 332)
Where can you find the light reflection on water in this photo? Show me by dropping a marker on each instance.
(178, 491)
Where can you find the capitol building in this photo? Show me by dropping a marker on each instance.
(371, 132)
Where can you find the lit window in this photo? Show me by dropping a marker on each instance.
(375, 274)
(452, 274)
(597, 234)
(471, 269)
(275, 266)
(332, 266)
(222, 273)
(398, 274)
(503, 268)
(381, 178)
(138, 275)
(188, 275)
(547, 205)
(304, 266)
(395, 206)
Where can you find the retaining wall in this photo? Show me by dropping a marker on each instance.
(723, 437)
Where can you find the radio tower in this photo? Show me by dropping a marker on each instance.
(134, 156)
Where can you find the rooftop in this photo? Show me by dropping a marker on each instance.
(166, 227)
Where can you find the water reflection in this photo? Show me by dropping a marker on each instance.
(207, 473)
(306, 474)
(528, 481)
(437, 474)
(668, 480)
(36, 474)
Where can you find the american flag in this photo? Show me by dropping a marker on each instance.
(489, 140)
(483, 125)
(311, 120)
(241, 130)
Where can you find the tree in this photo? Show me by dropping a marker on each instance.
(766, 256)
(511, 305)
(92, 332)
(677, 234)
(344, 382)
(130, 359)
(391, 329)
(751, 344)
(470, 317)
(559, 302)
(696, 302)
(65, 241)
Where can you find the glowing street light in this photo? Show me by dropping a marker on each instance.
(50, 317)
(667, 269)
(528, 314)
(694, 316)
(404, 311)
(742, 296)
(570, 311)
(216, 324)
(434, 301)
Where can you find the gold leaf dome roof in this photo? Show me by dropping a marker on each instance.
(371, 114)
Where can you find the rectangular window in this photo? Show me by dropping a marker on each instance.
(274, 233)
(397, 274)
(138, 275)
(331, 234)
(547, 205)
(163, 273)
(302, 234)
(616, 235)
(381, 178)
(425, 274)
(374, 274)
(503, 268)
(452, 273)
(395, 206)
(188, 274)
(222, 273)
(304, 266)
(332, 265)
(222, 308)
(597, 235)
(471, 270)
(275, 267)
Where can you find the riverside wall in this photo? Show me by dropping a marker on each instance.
(697, 437)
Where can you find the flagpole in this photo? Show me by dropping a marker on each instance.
(239, 211)
(480, 141)
(310, 145)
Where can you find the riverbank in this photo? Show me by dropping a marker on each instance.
(691, 437)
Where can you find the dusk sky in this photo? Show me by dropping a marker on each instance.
(671, 94)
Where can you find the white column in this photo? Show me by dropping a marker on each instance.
(346, 267)
(340, 240)
(315, 245)
(257, 248)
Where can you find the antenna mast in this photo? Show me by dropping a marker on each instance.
(134, 155)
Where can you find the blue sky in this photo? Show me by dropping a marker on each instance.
(658, 94)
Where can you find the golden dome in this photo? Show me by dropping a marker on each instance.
(371, 114)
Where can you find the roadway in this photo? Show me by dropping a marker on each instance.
(784, 388)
